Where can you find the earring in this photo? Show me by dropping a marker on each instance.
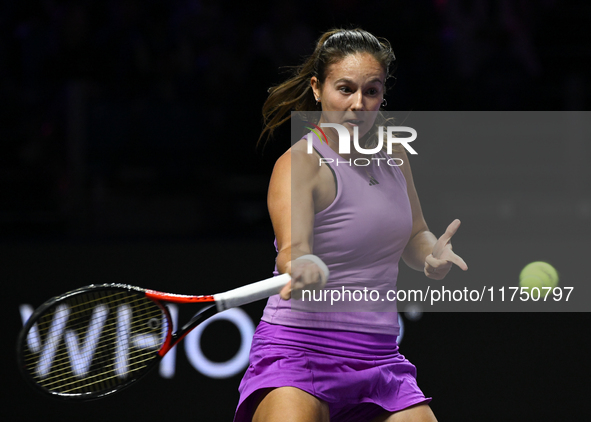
(384, 103)
(317, 101)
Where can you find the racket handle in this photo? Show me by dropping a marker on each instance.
(251, 292)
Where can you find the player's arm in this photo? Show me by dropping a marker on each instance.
(291, 207)
(421, 240)
(424, 252)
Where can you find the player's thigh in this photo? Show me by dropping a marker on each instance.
(290, 404)
(419, 413)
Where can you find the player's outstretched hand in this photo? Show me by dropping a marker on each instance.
(305, 275)
(439, 262)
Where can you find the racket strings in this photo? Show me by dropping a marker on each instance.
(94, 341)
(105, 380)
(110, 330)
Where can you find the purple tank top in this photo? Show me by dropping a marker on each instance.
(360, 237)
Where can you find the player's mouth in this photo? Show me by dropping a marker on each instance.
(354, 122)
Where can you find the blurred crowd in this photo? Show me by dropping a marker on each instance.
(99, 93)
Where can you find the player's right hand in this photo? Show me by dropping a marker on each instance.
(305, 275)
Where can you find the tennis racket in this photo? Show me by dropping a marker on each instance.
(97, 340)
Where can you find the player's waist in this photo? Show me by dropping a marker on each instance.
(345, 342)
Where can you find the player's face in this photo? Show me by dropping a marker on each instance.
(352, 92)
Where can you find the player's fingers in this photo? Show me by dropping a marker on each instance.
(285, 293)
(305, 277)
(434, 263)
(307, 273)
(456, 259)
(445, 238)
(436, 268)
(447, 257)
(435, 274)
(452, 228)
(315, 277)
(310, 278)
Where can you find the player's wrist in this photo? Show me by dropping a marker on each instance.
(316, 260)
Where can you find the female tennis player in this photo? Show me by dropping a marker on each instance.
(353, 223)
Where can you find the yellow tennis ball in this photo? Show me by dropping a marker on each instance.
(538, 274)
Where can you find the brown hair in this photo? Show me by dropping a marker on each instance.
(295, 94)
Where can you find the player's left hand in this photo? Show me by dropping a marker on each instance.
(439, 262)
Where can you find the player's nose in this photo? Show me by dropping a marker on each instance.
(358, 102)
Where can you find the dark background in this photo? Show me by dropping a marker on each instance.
(128, 132)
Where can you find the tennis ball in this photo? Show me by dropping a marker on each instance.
(538, 274)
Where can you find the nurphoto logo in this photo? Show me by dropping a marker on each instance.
(384, 133)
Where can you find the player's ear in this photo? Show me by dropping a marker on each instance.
(315, 84)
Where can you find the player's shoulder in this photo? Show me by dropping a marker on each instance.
(298, 158)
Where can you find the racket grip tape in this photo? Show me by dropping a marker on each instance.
(251, 292)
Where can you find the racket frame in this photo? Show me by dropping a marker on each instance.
(158, 298)
(218, 302)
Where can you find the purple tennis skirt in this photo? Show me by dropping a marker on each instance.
(359, 375)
